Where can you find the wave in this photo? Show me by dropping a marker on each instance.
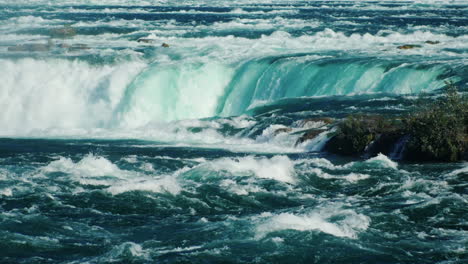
(350, 225)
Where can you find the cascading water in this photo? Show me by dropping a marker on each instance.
(43, 94)
(115, 148)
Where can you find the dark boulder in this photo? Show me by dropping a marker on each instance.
(384, 143)
(431, 42)
(145, 40)
(348, 146)
(165, 45)
(408, 46)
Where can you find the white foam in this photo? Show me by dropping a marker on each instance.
(244, 189)
(179, 249)
(358, 4)
(96, 170)
(379, 161)
(185, 81)
(320, 162)
(350, 226)
(351, 177)
(89, 166)
(241, 121)
(6, 192)
(318, 142)
(279, 168)
(32, 91)
(382, 161)
(271, 136)
(158, 185)
(124, 250)
(459, 171)
(28, 22)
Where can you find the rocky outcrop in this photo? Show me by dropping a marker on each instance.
(436, 131)
(355, 135)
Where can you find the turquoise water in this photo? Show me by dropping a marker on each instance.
(115, 150)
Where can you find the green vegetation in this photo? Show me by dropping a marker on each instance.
(439, 129)
(356, 132)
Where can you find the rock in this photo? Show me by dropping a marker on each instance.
(282, 130)
(342, 145)
(63, 32)
(165, 45)
(76, 47)
(408, 46)
(195, 129)
(431, 42)
(63, 46)
(355, 134)
(311, 134)
(30, 47)
(384, 143)
(145, 40)
(315, 122)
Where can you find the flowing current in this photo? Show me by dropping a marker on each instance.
(115, 148)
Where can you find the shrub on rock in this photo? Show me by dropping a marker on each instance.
(439, 130)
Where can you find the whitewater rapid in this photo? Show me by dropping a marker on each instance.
(222, 61)
(161, 131)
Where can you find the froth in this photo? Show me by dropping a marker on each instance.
(279, 168)
(32, 91)
(96, 170)
(349, 226)
(89, 166)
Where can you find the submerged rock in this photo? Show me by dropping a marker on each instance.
(315, 122)
(78, 46)
(431, 42)
(311, 134)
(165, 45)
(145, 40)
(33, 47)
(63, 46)
(409, 46)
(63, 32)
(282, 130)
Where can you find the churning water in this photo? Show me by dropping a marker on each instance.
(115, 149)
